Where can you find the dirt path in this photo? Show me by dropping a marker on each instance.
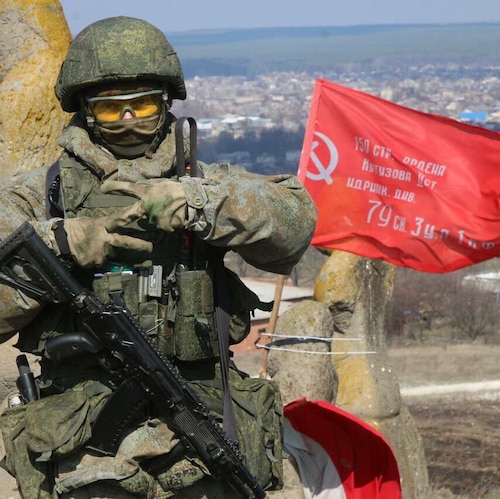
(488, 389)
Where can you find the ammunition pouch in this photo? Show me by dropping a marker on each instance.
(185, 327)
(193, 314)
(123, 287)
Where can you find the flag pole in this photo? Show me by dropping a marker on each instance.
(280, 281)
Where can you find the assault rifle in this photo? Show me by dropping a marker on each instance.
(113, 334)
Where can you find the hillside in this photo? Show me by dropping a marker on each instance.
(250, 51)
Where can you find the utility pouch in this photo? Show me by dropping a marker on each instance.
(258, 414)
(195, 334)
(36, 434)
(33, 477)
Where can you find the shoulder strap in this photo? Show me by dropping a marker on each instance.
(53, 198)
(222, 306)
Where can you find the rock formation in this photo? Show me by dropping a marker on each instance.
(357, 292)
(301, 370)
(34, 38)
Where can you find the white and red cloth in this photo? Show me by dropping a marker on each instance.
(337, 454)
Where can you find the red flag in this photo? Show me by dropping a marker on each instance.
(415, 189)
(362, 458)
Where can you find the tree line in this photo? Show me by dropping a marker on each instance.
(445, 307)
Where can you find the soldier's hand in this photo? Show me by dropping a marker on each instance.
(162, 202)
(92, 241)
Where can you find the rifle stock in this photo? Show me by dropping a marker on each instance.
(27, 264)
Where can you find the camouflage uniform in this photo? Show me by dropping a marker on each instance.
(268, 220)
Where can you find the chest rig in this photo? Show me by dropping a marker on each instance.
(175, 305)
(173, 301)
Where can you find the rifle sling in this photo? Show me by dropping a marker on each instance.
(217, 260)
(222, 317)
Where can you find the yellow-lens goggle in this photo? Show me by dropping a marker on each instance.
(112, 108)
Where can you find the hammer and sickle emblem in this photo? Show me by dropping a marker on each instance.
(323, 172)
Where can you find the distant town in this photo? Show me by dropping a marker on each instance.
(233, 107)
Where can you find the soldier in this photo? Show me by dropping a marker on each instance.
(114, 210)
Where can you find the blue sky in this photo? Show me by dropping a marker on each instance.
(202, 14)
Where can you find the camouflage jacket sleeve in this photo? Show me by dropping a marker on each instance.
(22, 200)
(268, 220)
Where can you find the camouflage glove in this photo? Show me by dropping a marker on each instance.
(163, 202)
(91, 241)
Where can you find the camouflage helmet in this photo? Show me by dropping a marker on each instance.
(118, 49)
